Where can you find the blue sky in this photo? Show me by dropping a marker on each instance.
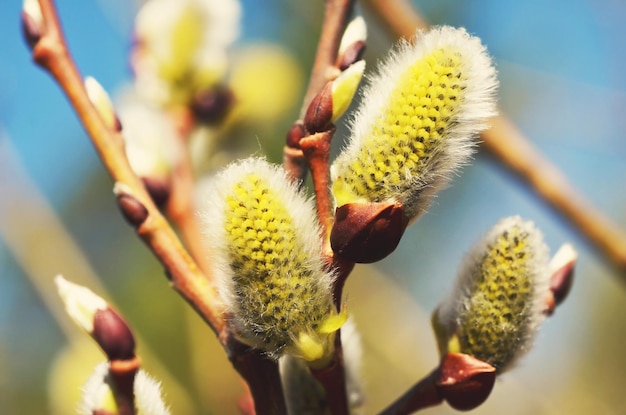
(561, 65)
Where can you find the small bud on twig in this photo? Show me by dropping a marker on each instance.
(32, 22)
(333, 100)
(92, 313)
(102, 102)
(352, 43)
(133, 210)
(211, 106)
(562, 276)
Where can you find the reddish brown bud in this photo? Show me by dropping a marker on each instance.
(31, 29)
(113, 335)
(158, 189)
(561, 282)
(319, 114)
(212, 106)
(464, 381)
(295, 133)
(132, 209)
(353, 53)
(367, 232)
(562, 268)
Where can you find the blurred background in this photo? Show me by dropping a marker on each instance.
(561, 65)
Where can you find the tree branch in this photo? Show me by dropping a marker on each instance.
(516, 153)
(51, 53)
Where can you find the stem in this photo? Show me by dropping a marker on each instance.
(316, 149)
(516, 153)
(422, 395)
(122, 373)
(262, 376)
(336, 16)
(333, 380)
(52, 54)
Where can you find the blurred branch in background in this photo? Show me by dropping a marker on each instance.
(517, 153)
(42, 246)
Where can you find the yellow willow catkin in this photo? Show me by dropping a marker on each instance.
(417, 120)
(497, 305)
(267, 246)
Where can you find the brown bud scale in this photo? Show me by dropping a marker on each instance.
(367, 232)
(113, 335)
(133, 210)
(320, 111)
(464, 381)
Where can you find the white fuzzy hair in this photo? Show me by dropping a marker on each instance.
(476, 106)
(148, 396)
(457, 303)
(211, 202)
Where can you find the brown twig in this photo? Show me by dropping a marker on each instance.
(516, 153)
(336, 16)
(312, 148)
(51, 53)
(422, 395)
(262, 375)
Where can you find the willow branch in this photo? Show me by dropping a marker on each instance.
(51, 53)
(336, 16)
(516, 153)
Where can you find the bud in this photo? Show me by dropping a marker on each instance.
(416, 122)
(211, 106)
(101, 101)
(367, 232)
(267, 247)
(32, 22)
(344, 87)
(303, 393)
(333, 100)
(91, 313)
(562, 271)
(132, 209)
(81, 304)
(464, 381)
(352, 43)
(498, 302)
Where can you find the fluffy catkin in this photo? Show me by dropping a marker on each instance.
(265, 240)
(417, 119)
(497, 304)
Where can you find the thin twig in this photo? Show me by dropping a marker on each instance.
(51, 53)
(304, 149)
(422, 395)
(516, 153)
(336, 16)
